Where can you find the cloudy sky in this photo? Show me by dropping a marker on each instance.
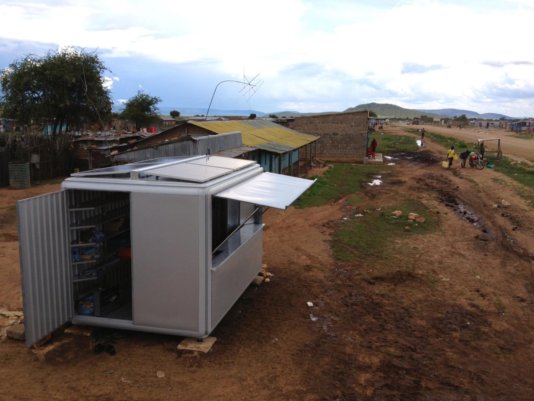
(304, 55)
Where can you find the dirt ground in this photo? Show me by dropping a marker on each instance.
(452, 318)
(513, 145)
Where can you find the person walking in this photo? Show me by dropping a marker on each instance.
(450, 155)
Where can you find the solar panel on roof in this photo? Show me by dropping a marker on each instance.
(127, 168)
(189, 172)
(122, 169)
(185, 168)
(223, 162)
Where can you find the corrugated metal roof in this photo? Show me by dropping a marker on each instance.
(235, 152)
(261, 134)
(275, 147)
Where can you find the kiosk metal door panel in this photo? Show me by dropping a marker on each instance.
(45, 264)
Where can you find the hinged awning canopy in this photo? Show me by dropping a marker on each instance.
(268, 189)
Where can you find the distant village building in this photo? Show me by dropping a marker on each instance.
(522, 126)
(167, 121)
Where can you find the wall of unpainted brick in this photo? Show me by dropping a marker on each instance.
(343, 135)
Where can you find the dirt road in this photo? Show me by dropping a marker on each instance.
(513, 145)
(450, 316)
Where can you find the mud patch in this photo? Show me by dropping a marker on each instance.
(510, 243)
(463, 211)
(424, 157)
(461, 323)
(396, 278)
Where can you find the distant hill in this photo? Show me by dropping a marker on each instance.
(390, 110)
(393, 111)
(299, 114)
(287, 114)
(381, 109)
(468, 114)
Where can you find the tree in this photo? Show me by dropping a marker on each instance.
(252, 116)
(65, 89)
(463, 120)
(141, 109)
(175, 114)
(372, 113)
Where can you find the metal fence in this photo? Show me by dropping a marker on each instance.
(49, 157)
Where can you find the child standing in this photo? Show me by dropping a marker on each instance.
(450, 155)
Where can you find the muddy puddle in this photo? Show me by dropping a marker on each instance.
(422, 157)
(464, 212)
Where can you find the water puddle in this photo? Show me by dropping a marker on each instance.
(464, 212)
(468, 215)
(376, 181)
(422, 157)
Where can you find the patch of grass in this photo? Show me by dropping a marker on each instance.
(524, 136)
(528, 195)
(354, 200)
(371, 235)
(339, 181)
(443, 140)
(432, 279)
(395, 143)
(520, 172)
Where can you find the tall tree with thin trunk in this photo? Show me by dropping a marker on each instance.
(65, 89)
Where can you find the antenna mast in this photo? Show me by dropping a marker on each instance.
(249, 88)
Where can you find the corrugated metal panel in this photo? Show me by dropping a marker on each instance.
(260, 132)
(45, 266)
(217, 143)
(236, 152)
(165, 150)
(199, 169)
(275, 147)
(197, 146)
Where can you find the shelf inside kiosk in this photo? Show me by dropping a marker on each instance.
(99, 223)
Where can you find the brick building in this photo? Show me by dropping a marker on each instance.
(343, 135)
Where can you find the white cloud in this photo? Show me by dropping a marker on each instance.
(109, 81)
(361, 49)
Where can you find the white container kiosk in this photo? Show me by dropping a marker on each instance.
(164, 245)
